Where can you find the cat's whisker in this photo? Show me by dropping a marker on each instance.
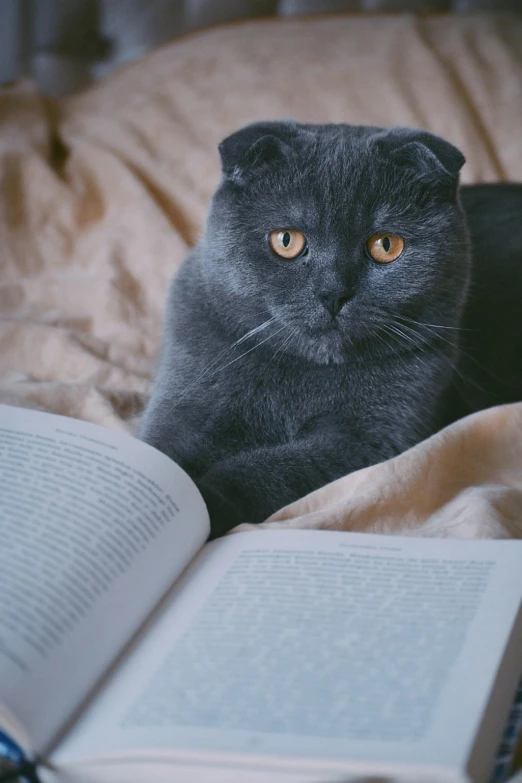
(434, 326)
(402, 357)
(210, 367)
(253, 331)
(283, 346)
(454, 365)
(466, 380)
(230, 348)
(428, 341)
(386, 344)
(400, 336)
(425, 339)
(394, 315)
(395, 328)
(462, 352)
(224, 366)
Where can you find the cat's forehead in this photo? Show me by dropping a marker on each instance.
(335, 175)
(346, 154)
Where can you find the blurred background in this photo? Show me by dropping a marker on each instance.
(66, 44)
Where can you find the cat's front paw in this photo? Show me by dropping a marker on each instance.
(224, 513)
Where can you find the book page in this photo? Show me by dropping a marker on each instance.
(95, 527)
(361, 649)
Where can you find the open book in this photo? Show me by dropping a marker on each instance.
(133, 652)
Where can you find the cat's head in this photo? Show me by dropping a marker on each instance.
(339, 233)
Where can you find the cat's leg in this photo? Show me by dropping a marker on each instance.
(251, 485)
(180, 434)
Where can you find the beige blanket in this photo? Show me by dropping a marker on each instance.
(464, 482)
(101, 195)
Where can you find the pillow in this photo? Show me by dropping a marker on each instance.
(102, 194)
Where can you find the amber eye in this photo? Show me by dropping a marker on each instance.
(287, 243)
(385, 247)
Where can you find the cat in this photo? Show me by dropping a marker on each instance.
(332, 315)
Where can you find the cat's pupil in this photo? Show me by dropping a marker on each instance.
(386, 244)
(286, 239)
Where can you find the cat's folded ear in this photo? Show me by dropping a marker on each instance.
(432, 156)
(254, 146)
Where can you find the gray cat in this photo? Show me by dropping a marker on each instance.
(331, 316)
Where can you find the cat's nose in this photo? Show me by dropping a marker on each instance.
(334, 301)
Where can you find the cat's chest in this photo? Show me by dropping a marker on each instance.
(271, 405)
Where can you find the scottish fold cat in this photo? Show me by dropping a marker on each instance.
(346, 300)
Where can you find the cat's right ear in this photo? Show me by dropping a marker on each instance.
(432, 156)
(252, 147)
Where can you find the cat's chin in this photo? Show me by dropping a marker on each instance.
(326, 348)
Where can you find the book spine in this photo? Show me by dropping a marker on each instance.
(14, 764)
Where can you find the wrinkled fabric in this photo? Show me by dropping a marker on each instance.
(463, 482)
(102, 194)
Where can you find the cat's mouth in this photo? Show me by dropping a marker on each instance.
(324, 340)
(322, 326)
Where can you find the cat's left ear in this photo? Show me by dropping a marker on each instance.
(254, 146)
(432, 156)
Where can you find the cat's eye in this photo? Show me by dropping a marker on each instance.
(384, 248)
(287, 243)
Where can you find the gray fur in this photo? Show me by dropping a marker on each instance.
(262, 395)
